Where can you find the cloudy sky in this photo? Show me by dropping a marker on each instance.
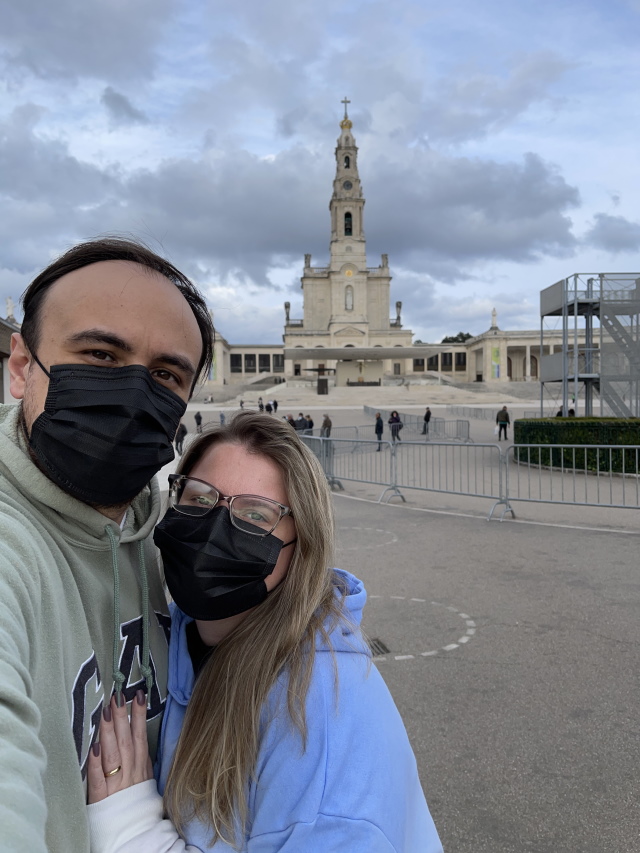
(498, 145)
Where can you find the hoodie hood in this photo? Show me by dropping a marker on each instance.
(344, 637)
(77, 522)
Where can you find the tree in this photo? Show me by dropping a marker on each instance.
(460, 338)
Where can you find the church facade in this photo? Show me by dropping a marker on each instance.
(346, 335)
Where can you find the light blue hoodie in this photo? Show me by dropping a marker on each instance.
(354, 789)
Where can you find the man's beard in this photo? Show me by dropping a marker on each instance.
(24, 429)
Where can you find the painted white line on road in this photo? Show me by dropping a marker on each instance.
(616, 530)
(449, 648)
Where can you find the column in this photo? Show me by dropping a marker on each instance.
(527, 364)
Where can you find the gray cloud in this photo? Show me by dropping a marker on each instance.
(613, 234)
(121, 110)
(92, 38)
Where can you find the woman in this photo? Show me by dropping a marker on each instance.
(396, 425)
(279, 733)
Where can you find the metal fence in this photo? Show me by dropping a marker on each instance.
(474, 414)
(439, 428)
(580, 475)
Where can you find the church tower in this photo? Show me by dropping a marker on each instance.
(345, 304)
(347, 203)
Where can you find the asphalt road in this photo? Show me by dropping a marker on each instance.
(526, 732)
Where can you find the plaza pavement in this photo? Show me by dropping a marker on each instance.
(513, 657)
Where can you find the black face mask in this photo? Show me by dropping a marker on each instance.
(105, 431)
(212, 569)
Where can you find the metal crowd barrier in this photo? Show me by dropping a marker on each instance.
(579, 475)
(413, 424)
(474, 414)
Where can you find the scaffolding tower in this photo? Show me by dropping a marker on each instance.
(600, 353)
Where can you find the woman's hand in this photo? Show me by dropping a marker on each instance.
(121, 757)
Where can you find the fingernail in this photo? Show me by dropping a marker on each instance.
(142, 699)
(96, 749)
(106, 713)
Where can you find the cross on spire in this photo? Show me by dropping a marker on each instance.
(345, 101)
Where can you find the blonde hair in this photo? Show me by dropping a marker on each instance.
(218, 747)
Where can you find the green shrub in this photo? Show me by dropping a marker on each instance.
(598, 432)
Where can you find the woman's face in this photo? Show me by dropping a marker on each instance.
(235, 471)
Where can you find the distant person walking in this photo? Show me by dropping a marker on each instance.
(275, 407)
(223, 419)
(242, 404)
(379, 429)
(181, 434)
(325, 429)
(503, 420)
(198, 419)
(268, 408)
(426, 419)
(396, 425)
(260, 404)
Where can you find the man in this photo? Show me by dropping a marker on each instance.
(112, 343)
(301, 423)
(198, 419)
(379, 427)
(503, 420)
(426, 419)
(325, 429)
(310, 425)
(181, 434)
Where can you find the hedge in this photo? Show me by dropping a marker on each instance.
(590, 431)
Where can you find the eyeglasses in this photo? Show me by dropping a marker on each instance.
(250, 513)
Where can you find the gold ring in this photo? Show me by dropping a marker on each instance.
(113, 772)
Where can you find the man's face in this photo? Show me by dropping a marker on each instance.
(111, 314)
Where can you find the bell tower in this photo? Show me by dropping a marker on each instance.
(348, 244)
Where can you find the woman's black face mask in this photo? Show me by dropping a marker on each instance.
(105, 431)
(212, 569)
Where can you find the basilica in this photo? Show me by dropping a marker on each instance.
(346, 336)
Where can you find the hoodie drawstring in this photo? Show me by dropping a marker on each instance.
(118, 676)
(145, 669)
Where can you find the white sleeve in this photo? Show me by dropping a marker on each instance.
(131, 821)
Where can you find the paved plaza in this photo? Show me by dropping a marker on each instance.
(512, 652)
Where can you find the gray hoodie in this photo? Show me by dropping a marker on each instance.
(71, 626)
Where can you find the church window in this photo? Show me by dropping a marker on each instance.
(347, 162)
(348, 225)
(348, 298)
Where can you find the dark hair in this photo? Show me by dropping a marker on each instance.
(114, 249)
